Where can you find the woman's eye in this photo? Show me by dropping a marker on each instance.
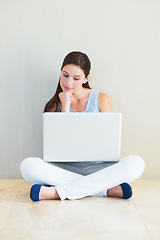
(65, 75)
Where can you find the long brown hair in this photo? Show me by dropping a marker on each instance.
(79, 59)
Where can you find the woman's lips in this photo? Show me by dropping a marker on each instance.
(67, 88)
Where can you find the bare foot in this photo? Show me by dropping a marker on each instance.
(115, 192)
(48, 193)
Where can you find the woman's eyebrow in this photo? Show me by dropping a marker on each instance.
(74, 75)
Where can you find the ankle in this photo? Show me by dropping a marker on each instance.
(115, 192)
(48, 193)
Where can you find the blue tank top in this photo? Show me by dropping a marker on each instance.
(92, 104)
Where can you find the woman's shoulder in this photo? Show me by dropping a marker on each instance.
(103, 95)
(104, 102)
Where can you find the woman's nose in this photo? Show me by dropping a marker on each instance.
(69, 81)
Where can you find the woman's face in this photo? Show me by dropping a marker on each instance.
(72, 77)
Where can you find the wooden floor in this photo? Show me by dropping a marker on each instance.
(87, 218)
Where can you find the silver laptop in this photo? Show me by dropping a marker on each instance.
(81, 137)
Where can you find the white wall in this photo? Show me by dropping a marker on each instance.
(122, 40)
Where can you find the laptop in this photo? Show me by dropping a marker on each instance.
(81, 137)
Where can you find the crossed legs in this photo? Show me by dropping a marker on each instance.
(70, 185)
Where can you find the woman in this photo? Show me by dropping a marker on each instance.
(77, 180)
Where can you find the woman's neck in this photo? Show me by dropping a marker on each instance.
(81, 94)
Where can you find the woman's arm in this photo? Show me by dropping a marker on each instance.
(104, 103)
(65, 99)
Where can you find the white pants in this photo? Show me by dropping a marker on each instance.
(71, 185)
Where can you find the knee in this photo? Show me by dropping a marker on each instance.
(25, 164)
(29, 165)
(136, 165)
(139, 164)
